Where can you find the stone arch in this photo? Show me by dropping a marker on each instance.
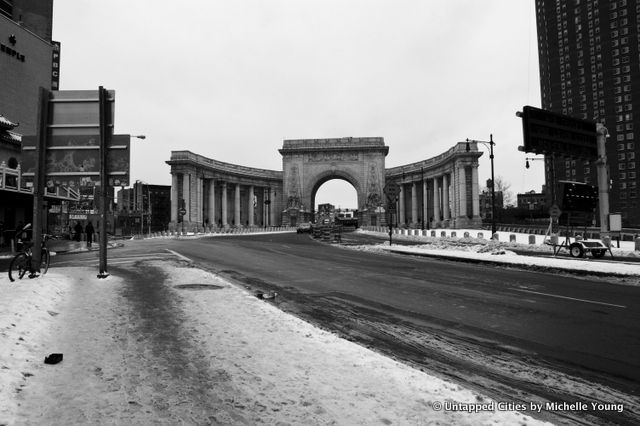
(308, 163)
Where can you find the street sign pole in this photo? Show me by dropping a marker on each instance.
(39, 180)
(105, 139)
(391, 190)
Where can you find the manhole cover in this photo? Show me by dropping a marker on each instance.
(198, 287)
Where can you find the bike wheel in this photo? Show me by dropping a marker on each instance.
(19, 266)
(44, 261)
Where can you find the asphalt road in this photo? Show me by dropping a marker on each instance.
(515, 334)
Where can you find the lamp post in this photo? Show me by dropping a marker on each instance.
(142, 137)
(142, 184)
(490, 144)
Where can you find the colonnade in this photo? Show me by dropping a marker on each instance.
(210, 202)
(446, 197)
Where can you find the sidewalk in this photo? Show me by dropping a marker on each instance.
(62, 246)
(141, 350)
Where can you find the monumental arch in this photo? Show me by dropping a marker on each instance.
(441, 191)
(308, 163)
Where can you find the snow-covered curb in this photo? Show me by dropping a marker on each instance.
(509, 257)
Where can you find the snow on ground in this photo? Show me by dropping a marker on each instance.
(249, 362)
(502, 252)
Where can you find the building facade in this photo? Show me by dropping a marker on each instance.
(27, 55)
(590, 69)
(144, 207)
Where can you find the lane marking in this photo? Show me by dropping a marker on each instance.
(571, 298)
(175, 253)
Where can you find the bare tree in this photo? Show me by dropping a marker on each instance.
(502, 186)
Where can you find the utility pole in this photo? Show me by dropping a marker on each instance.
(603, 178)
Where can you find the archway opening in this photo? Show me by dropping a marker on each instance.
(335, 196)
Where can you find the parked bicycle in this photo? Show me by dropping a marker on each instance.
(21, 262)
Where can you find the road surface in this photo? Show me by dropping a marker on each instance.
(514, 334)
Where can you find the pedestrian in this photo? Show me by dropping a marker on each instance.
(89, 231)
(78, 231)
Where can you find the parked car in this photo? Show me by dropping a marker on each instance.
(304, 228)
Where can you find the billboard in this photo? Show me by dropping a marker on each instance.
(74, 161)
(72, 155)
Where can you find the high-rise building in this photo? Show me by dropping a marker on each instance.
(34, 15)
(590, 69)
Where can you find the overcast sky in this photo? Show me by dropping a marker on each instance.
(232, 79)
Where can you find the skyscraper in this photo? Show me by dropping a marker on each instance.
(590, 69)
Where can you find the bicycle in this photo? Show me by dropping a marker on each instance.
(21, 262)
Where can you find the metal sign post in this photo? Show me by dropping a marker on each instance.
(105, 138)
(39, 180)
(391, 190)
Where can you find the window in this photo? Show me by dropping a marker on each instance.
(621, 156)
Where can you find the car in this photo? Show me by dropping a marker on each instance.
(304, 228)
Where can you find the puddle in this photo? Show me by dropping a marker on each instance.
(198, 287)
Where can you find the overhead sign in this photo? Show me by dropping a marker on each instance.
(546, 132)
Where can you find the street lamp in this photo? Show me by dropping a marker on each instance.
(142, 184)
(490, 144)
(526, 164)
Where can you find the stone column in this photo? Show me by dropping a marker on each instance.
(212, 203)
(425, 204)
(273, 221)
(436, 201)
(186, 187)
(174, 198)
(414, 204)
(225, 220)
(446, 213)
(463, 190)
(236, 206)
(251, 206)
(475, 191)
(401, 214)
(199, 200)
